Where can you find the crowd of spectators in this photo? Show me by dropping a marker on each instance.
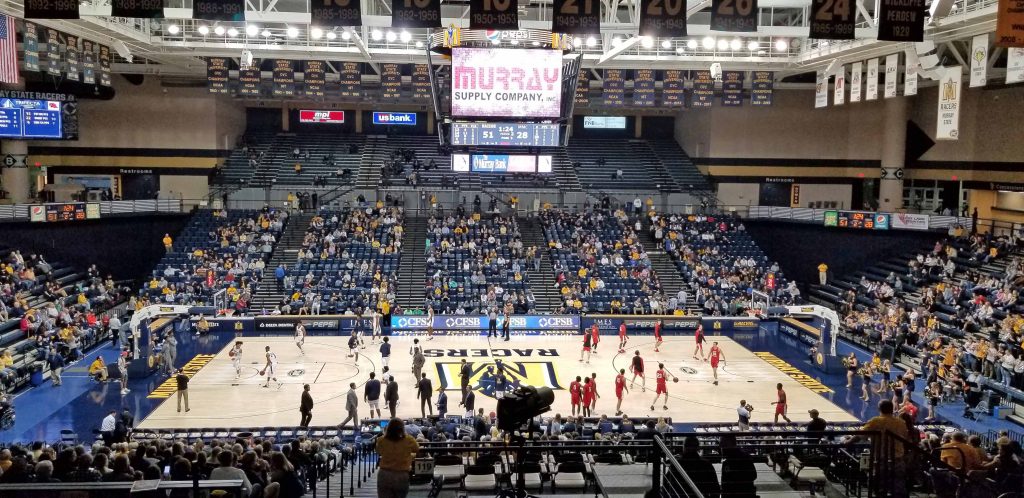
(477, 263)
(230, 255)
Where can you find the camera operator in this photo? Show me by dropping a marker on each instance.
(744, 411)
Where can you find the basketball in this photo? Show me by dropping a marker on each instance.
(231, 353)
(263, 372)
(675, 379)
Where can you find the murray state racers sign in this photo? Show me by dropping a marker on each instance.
(497, 82)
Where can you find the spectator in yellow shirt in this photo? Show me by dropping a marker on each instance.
(822, 273)
(167, 242)
(98, 369)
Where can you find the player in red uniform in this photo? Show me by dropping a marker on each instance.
(595, 337)
(699, 337)
(657, 335)
(586, 346)
(597, 396)
(588, 396)
(620, 388)
(637, 367)
(715, 356)
(780, 405)
(661, 376)
(575, 392)
(622, 337)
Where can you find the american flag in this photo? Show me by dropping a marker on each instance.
(8, 51)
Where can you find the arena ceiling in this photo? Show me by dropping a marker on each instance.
(175, 46)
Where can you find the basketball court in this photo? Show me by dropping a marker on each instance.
(217, 399)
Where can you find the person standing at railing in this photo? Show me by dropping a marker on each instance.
(822, 274)
(168, 243)
(396, 450)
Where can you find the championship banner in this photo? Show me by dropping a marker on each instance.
(576, 17)
(614, 87)
(673, 91)
(217, 74)
(88, 62)
(948, 122)
(415, 13)
(1010, 23)
(54, 62)
(391, 81)
(643, 87)
(839, 91)
(1014, 65)
(583, 87)
(143, 9)
(908, 221)
(762, 88)
(335, 13)
(494, 14)
(350, 79)
(833, 19)
(30, 44)
(910, 82)
(871, 80)
(313, 79)
(42, 9)
(703, 89)
(420, 82)
(821, 90)
(219, 10)
(284, 78)
(856, 81)
(901, 20)
(732, 88)
(734, 15)
(104, 58)
(71, 59)
(663, 18)
(892, 67)
(979, 60)
(249, 83)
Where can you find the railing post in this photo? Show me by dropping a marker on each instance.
(655, 470)
(352, 470)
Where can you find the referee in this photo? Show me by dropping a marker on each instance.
(505, 325)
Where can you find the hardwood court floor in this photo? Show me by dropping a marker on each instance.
(217, 399)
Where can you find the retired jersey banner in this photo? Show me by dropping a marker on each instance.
(892, 76)
(217, 74)
(703, 89)
(415, 13)
(219, 10)
(762, 88)
(1014, 65)
(43, 9)
(494, 14)
(732, 88)
(734, 15)
(643, 87)
(30, 44)
(948, 122)
(578, 17)
(583, 87)
(88, 62)
(839, 92)
(614, 87)
(1010, 23)
(663, 18)
(856, 81)
(871, 81)
(979, 60)
(151, 9)
(833, 19)
(673, 89)
(910, 82)
(821, 90)
(335, 13)
(901, 20)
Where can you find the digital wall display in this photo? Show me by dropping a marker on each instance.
(606, 122)
(500, 163)
(505, 134)
(509, 83)
(857, 219)
(70, 211)
(23, 118)
(394, 118)
(311, 116)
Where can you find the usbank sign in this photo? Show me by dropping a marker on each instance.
(394, 118)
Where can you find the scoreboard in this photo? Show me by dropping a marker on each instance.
(506, 134)
(25, 118)
(857, 219)
(68, 211)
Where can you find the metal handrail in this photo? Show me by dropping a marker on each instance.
(666, 454)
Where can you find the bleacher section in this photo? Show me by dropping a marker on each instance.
(240, 166)
(348, 260)
(641, 167)
(679, 165)
(233, 245)
(328, 155)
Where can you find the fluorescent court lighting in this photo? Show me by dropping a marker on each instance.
(252, 30)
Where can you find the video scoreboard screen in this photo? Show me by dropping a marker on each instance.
(506, 83)
(25, 118)
(500, 163)
(505, 134)
(857, 219)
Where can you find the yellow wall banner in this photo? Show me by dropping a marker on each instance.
(1010, 23)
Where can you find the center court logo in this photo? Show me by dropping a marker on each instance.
(297, 372)
(482, 380)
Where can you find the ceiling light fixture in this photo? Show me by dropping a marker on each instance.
(252, 30)
(293, 32)
(391, 37)
(376, 35)
(591, 42)
(723, 44)
(173, 29)
(647, 41)
(753, 46)
(735, 44)
(332, 35)
(316, 33)
(345, 35)
(218, 30)
(266, 33)
(419, 44)
(708, 42)
(405, 36)
(691, 44)
(781, 45)
(203, 30)
(232, 32)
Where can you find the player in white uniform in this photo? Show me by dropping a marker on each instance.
(236, 358)
(375, 320)
(300, 337)
(270, 369)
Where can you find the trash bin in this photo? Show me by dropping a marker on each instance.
(36, 375)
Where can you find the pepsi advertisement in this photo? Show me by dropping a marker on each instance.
(481, 323)
(394, 118)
